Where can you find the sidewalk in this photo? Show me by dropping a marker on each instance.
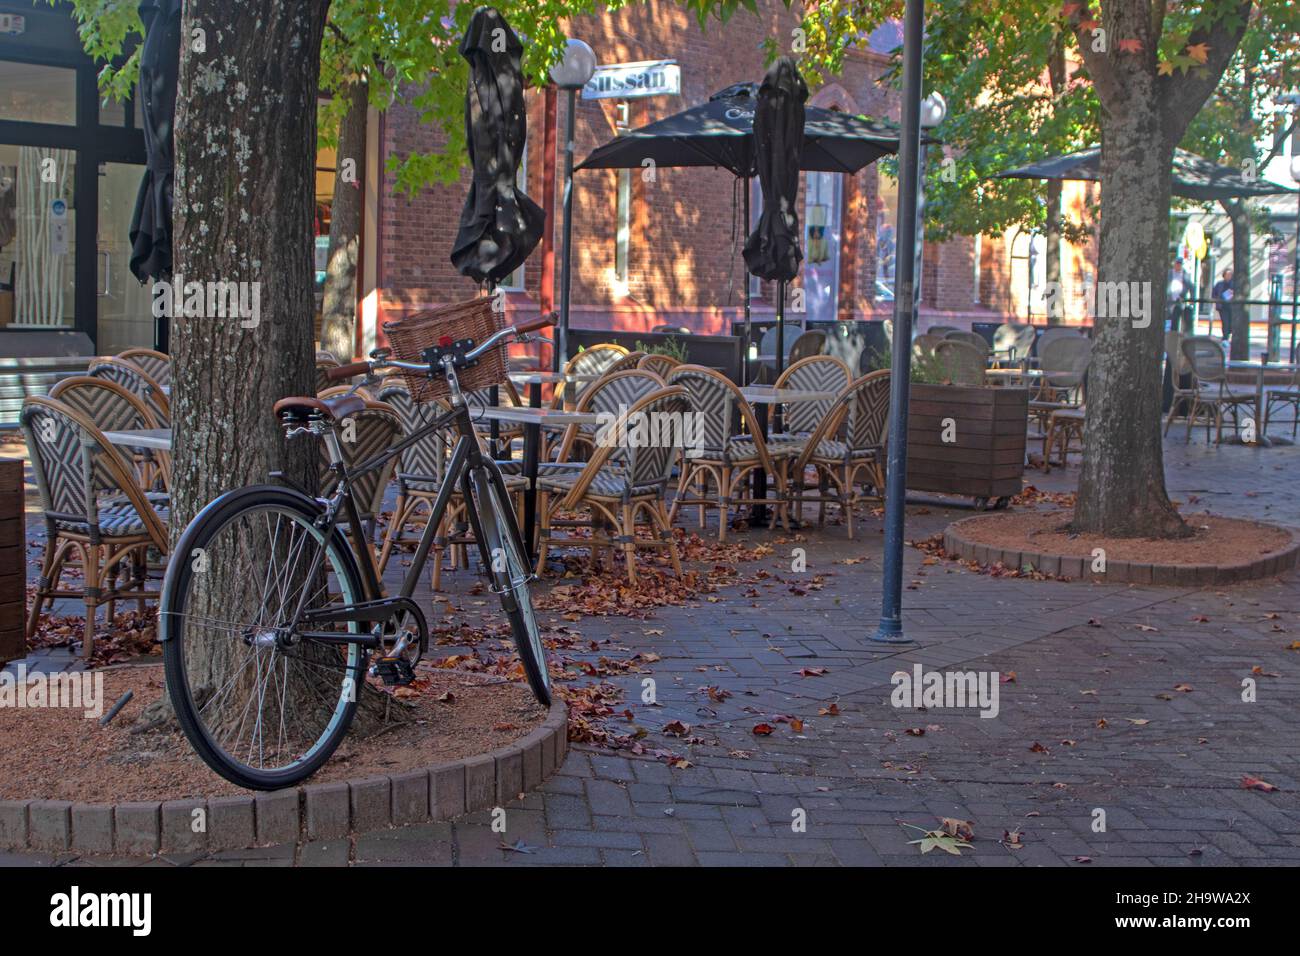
(1092, 719)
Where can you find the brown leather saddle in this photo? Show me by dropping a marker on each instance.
(304, 408)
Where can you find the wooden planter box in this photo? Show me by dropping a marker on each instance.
(985, 458)
(13, 569)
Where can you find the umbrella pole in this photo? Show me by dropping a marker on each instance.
(744, 293)
(562, 330)
(780, 328)
(909, 168)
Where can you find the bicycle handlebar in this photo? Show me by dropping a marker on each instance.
(347, 371)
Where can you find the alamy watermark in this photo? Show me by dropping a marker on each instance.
(224, 299)
(79, 690)
(1113, 300)
(936, 689)
(652, 430)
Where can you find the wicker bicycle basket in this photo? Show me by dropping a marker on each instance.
(473, 319)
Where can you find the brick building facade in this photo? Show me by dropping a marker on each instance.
(681, 262)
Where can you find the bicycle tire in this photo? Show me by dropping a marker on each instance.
(177, 593)
(504, 556)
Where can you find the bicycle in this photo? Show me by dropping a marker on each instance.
(270, 615)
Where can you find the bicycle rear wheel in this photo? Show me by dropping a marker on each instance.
(261, 705)
(504, 556)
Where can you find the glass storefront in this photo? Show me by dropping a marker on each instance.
(124, 307)
(37, 252)
(70, 169)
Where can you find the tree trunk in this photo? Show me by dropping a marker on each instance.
(245, 171)
(1240, 312)
(245, 194)
(1057, 77)
(339, 311)
(1122, 486)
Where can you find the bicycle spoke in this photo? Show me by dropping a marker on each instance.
(264, 700)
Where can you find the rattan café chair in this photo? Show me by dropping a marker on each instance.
(92, 506)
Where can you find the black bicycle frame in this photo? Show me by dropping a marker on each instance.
(466, 457)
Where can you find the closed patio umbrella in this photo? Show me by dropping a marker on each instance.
(151, 221)
(499, 225)
(772, 250)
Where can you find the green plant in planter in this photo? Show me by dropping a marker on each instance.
(669, 346)
(925, 368)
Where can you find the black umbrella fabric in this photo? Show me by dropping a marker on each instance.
(499, 225)
(160, 56)
(1194, 177)
(720, 132)
(772, 250)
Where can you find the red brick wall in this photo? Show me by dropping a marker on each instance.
(684, 266)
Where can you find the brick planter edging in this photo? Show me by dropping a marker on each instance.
(1126, 572)
(313, 811)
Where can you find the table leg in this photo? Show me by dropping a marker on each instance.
(532, 451)
(758, 516)
(1261, 410)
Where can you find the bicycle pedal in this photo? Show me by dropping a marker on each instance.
(393, 671)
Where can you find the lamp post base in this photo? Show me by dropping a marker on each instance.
(891, 632)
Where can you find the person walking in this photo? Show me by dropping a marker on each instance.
(1222, 296)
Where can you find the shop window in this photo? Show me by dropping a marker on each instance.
(33, 93)
(37, 229)
(886, 244)
(623, 234)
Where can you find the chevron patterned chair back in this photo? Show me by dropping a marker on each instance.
(721, 456)
(113, 409)
(866, 424)
(590, 361)
(661, 365)
(374, 429)
(138, 382)
(615, 392)
(154, 364)
(422, 466)
(817, 373)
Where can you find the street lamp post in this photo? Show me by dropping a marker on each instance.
(933, 110)
(891, 604)
(570, 74)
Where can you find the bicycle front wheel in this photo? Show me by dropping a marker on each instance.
(263, 705)
(507, 563)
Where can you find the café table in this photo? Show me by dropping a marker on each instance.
(762, 397)
(1261, 408)
(157, 438)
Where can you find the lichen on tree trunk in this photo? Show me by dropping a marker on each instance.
(245, 145)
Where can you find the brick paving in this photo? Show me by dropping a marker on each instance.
(1092, 722)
